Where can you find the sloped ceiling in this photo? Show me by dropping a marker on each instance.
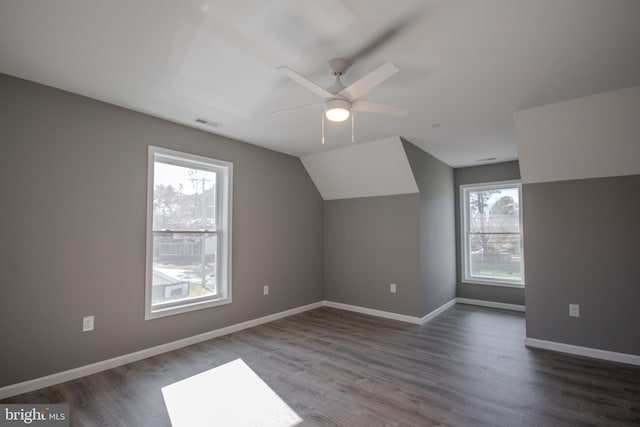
(378, 168)
(587, 137)
(465, 65)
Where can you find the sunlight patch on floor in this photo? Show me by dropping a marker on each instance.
(228, 395)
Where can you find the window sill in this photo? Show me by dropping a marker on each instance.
(504, 285)
(185, 308)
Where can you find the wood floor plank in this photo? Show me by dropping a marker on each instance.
(467, 367)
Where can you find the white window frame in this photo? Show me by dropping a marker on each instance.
(464, 228)
(224, 202)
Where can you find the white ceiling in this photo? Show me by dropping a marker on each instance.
(465, 65)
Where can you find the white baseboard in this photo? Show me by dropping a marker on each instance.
(71, 374)
(49, 380)
(390, 315)
(595, 353)
(491, 304)
(437, 311)
(374, 312)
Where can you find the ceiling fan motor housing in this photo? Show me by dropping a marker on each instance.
(339, 66)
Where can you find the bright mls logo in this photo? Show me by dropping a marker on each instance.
(35, 415)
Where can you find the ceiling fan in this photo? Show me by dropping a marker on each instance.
(340, 101)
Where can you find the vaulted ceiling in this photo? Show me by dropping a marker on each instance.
(465, 65)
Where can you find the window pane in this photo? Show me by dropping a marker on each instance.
(183, 198)
(188, 233)
(183, 266)
(492, 234)
(494, 211)
(495, 256)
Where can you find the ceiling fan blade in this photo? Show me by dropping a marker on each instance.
(305, 82)
(373, 107)
(368, 82)
(387, 35)
(301, 107)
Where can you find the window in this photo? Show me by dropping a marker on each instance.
(492, 234)
(188, 233)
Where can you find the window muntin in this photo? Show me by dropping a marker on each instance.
(189, 233)
(492, 234)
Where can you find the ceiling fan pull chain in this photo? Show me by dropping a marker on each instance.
(353, 138)
(323, 128)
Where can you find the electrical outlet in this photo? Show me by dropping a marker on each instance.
(574, 310)
(265, 290)
(87, 323)
(392, 288)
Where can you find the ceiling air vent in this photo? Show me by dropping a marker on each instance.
(486, 159)
(206, 122)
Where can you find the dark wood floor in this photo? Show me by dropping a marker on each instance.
(467, 367)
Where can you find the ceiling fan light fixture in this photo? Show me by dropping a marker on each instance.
(337, 110)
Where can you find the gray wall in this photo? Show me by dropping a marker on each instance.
(74, 180)
(437, 228)
(369, 243)
(405, 239)
(582, 246)
(475, 175)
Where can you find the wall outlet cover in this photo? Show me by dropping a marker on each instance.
(574, 310)
(88, 323)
